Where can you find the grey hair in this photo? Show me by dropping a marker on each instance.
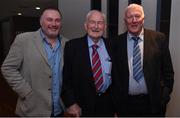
(93, 11)
(133, 5)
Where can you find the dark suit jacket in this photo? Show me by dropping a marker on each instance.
(157, 68)
(78, 85)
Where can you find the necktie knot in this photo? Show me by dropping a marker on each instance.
(135, 40)
(95, 47)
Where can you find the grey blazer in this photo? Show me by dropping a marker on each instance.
(27, 71)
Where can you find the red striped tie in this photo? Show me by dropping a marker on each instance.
(97, 69)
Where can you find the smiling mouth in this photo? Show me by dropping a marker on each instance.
(53, 29)
(134, 26)
(95, 30)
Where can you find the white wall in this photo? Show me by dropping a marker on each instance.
(150, 10)
(121, 26)
(74, 12)
(104, 10)
(174, 105)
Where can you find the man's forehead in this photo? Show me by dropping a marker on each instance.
(51, 14)
(134, 10)
(50, 11)
(96, 16)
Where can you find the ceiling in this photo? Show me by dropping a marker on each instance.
(26, 7)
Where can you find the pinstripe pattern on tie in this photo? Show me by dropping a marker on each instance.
(97, 69)
(137, 66)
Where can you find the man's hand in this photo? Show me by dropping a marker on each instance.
(74, 110)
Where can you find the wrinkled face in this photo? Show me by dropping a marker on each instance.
(51, 23)
(95, 26)
(134, 20)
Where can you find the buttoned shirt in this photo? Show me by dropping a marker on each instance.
(54, 59)
(135, 87)
(105, 62)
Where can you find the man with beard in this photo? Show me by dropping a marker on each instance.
(33, 67)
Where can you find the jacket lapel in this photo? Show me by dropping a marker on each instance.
(147, 54)
(124, 55)
(63, 41)
(108, 48)
(147, 48)
(87, 61)
(39, 44)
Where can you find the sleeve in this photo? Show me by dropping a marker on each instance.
(68, 95)
(12, 66)
(167, 70)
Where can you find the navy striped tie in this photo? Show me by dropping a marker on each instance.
(137, 66)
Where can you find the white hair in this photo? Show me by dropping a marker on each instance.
(133, 5)
(95, 11)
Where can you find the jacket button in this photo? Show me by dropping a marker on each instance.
(50, 76)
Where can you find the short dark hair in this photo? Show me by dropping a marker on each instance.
(51, 8)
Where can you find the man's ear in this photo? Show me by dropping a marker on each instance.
(85, 26)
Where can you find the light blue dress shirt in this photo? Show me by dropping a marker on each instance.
(54, 59)
(135, 88)
(105, 62)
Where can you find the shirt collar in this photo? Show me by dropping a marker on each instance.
(45, 39)
(90, 42)
(141, 35)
